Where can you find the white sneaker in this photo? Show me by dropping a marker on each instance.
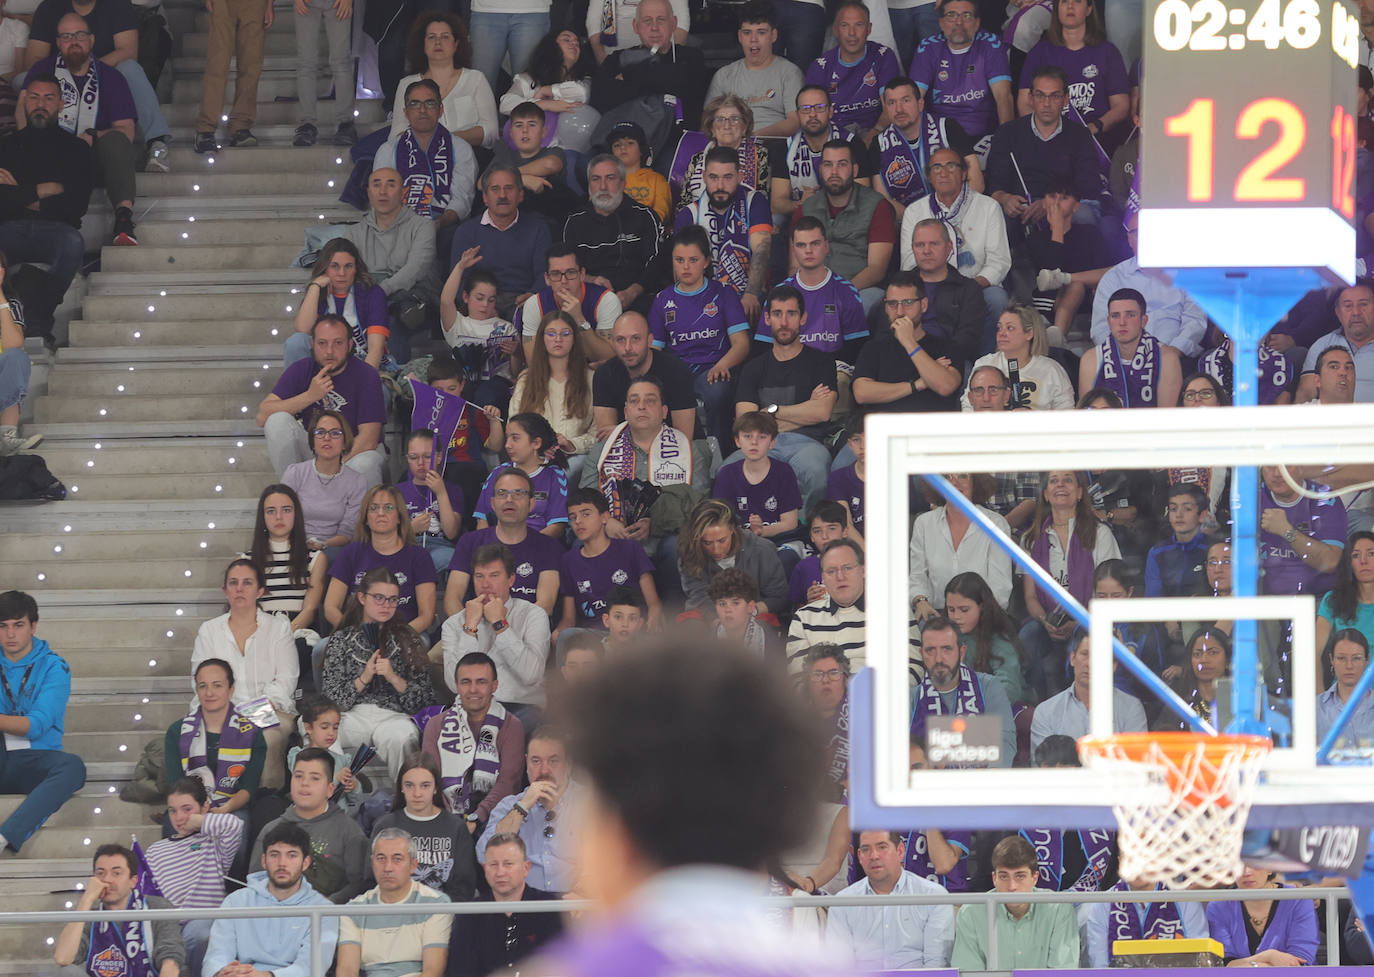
(12, 444)
(1050, 279)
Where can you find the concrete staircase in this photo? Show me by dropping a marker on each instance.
(148, 419)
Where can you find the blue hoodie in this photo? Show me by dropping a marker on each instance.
(280, 944)
(44, 695)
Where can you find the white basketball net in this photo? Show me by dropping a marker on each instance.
(1182, 823)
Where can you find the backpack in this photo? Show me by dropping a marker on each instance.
(25, 478)
(652, 115)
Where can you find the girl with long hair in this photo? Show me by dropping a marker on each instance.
(558, 386)
(292, 573)
(557, 78)
(988, 632)
(444, 847)
(711, 541)
(340, 284)
(1350, 602)
(533, 448)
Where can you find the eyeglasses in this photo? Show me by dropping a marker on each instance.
(548, 823)
(1047, 96)
(331, 433)
(563, 276)
(728, 120)
(384, 599)
(511, 493)
(984, 391)
(845, 570)
(1348, 659)
(560, 334)
(900, 303)
(75, 36)
(423, 103)
(964, 15)
(813, 109)
(1207, 393)
(1218, 563)
(828, 675)
(386, 507)
(945, 167)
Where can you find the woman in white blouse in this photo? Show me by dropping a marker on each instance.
(260, 648)
(558, 78)
(1021, 338)
(439, 44)
(558, 384)
(945, 543)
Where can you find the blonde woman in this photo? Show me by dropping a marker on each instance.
(1021, 338)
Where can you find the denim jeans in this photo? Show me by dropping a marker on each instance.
(47, 777)
(494, 34)
(15, 370)
(53, 243)
(150, 118)
(808, 458)
(910, 27)
(801, 32)
(719, 400)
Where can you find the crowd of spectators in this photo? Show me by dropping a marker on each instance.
(665, 301)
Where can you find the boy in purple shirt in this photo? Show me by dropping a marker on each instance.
(435, 507)
(846, 483)
(598, 563)
(855, 71)
(964, 72)
(762, 491)
(826, 521)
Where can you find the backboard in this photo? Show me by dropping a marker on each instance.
(886, 793)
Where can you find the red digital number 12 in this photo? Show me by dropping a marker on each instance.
(1256, 182)
(1343, 162)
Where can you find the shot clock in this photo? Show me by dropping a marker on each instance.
(1248, 141)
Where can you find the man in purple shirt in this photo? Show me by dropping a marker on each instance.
(964, 73)
(835, 321)
(332, 379)
(855, 71)
(738, 225)
(1300, 538)
(98, 108)
(536, 556)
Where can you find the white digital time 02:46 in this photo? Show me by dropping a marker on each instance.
(1211, 25)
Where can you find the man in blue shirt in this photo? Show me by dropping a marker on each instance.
(544, 815)
(35, 684)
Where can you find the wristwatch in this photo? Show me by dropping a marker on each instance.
(771, 409)
(1291, 535)
(521, 811)
(499, 626)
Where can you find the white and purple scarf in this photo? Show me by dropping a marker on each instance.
(837, 744)
(670, 462)
(1161, 921)
(968, 700)
(80, 106)
(122, 949)
(235, 750)
(468, 764)
(1049, 852)
(1136, 382)
(949, 216)
(426, 174)
(903, 163)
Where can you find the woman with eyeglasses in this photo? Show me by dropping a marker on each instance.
(385, 539)
(330, 492)
(376, 671)
(1099, 89)
(557, 385)
(261, 652)
(1348, 657)
(729, 122)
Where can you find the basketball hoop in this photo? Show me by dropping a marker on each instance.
(1182, 823)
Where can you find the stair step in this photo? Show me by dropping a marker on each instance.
(159, 379)
(117, 545)
(57, 842)
(284, 230)
(239, 428)
(277, 44)
(271, 85)
(155, 283)
(368, 113)
(156, 630)
(108, 747)
(265, 303)
(221, 257)
(219, 184)
(250, 353)
(155, 717)
(305, 207)
(118, 407)
(183, 332)
(80, 811)
(153, 488)
(55, 574)
(95, 516)
(109, 663)
(113, 460)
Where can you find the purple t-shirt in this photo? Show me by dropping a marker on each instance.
(1284, 570)
(918, 859)
(695, 326)
(844, 485)
(1095, 73)
(533, 555)
(412, 566)
(959, 86)
(834, 314)
(805, 575)
(588, 580)
(729, 232)
(419, 499)
(855, 90)
(116, 101)
(550, 496)
(357, 392)
(769, 499)
(369, 314)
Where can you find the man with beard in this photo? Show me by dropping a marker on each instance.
(45, 188)
(965, 71)
(1355, 313)
(98, 108)
(952, 688)
(908, 368)
(438, 172)
(494, 944)
(546, 816)
(901, 154)
(739, 226)
(332, 379)
(855, 70)
(278, 944)
(617, 240)
(802, 175)
(380, 946)
(858, 222)
(125, 947)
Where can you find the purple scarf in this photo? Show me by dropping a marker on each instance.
(1049, 852)
(468, 765)
(122, 949)
(426, 174)
(968, 700)
(1080, 566)
(235, 749)
(1136, 382)
(1161, 922)
(837, 744)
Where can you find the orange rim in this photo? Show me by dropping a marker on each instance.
(1181, 748)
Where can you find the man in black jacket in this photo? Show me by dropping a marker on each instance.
(956, 310)
(617, 239)
(493, 943)
(45, 188)
(658, 66)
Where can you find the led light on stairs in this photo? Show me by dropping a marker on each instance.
(330, 183)
(185, 573)
(69, 906)
(152, 663)
(203, 544)
(122, 748)
(85, 841)
(108, 790)
(184, 235)
(338, 160)
(180, 612)
(243, 409)
(224, 118)
(170, 634)
(96, 446)
(57, 549)
(90, 463)
(138, 335)
(257, 384)
(191, 219)
(103, 412)
(233, 461)
(42, 576)
(209, 525)
(290, 309)
(138, 717)
(95, 810)
(66, 529)
(76, 488)
(152, 308)
(195, 187)
(240, 443)
(355, 114)
(119, 389)
(274, 332)
(219, 488)
(211, 161)
(322, 217)
(163, 293)
(50, 939)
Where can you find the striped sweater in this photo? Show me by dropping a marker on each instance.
(190, 871)
(826, 622)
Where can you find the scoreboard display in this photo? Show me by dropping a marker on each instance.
(1248, 134)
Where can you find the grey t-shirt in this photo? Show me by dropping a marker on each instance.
(771, 92)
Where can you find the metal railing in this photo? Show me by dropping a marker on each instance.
(989, 900)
